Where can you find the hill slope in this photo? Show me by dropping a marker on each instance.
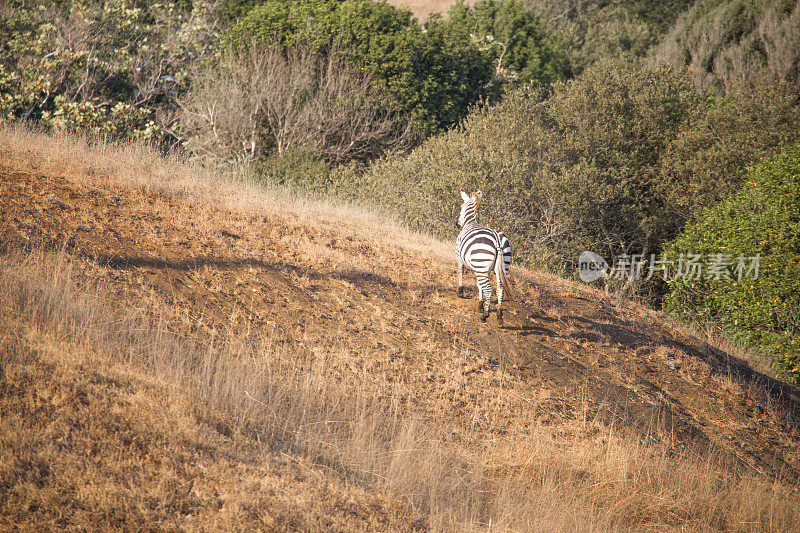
(317, 359)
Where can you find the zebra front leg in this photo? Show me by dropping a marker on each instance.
(484, 294)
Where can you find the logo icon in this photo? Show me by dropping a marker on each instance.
(591, 267)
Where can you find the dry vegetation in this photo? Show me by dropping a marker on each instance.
(724, 44)
(187, 351)
(264, 99)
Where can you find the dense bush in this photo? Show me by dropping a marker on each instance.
(262, 100)
(707, 161)
(725, 43)
(763, 219)
(109, 68)
(433, 73)
(563, 173)
(488, 151)
(593, 31)
(430, 78)
(603, 163)
(519, 43)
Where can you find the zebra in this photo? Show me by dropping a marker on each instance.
(478, 248)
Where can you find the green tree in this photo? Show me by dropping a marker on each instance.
(762, 220)
(434, 73)
(519, 43)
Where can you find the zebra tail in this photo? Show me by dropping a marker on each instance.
(500, 266)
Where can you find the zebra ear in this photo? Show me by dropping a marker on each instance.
(464, 196)
(478, 196)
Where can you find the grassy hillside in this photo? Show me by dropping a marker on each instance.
(182, 350)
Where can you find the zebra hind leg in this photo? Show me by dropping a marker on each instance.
(484, 295)
(499, 300)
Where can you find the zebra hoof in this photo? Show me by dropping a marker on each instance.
(461, 292)
(500, 316)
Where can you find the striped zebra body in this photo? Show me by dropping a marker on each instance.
(478, 247)
(482, 250)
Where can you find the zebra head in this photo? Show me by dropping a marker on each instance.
(469, 208)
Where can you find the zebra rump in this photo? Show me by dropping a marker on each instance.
(478, 247)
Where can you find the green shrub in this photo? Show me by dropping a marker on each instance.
(297, 168)
(658, 14)
(596, 31)
(231, 11)
(612, 127)
(574, 170)
(707, 161)
(519, 43)
(763, 219)
(111, 68)
(432, 79)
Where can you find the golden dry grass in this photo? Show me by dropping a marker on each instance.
(117, 412)
(172, 426)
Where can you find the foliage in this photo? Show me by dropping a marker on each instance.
(707, 161)
(518, 41)
(612, 128)
(488, 151)
(560, 173)
(298, 169)
(433, 75)
(382, 40)
(726, 43)
(603, 163)
(231, 11)
(658, 14)
(593, 31)
(762, 219)
(111, 68)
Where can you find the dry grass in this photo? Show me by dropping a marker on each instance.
(137, 166)
(111, 420)
(252, 392)
(278, 421)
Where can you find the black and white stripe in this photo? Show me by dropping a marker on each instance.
(479, 248)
